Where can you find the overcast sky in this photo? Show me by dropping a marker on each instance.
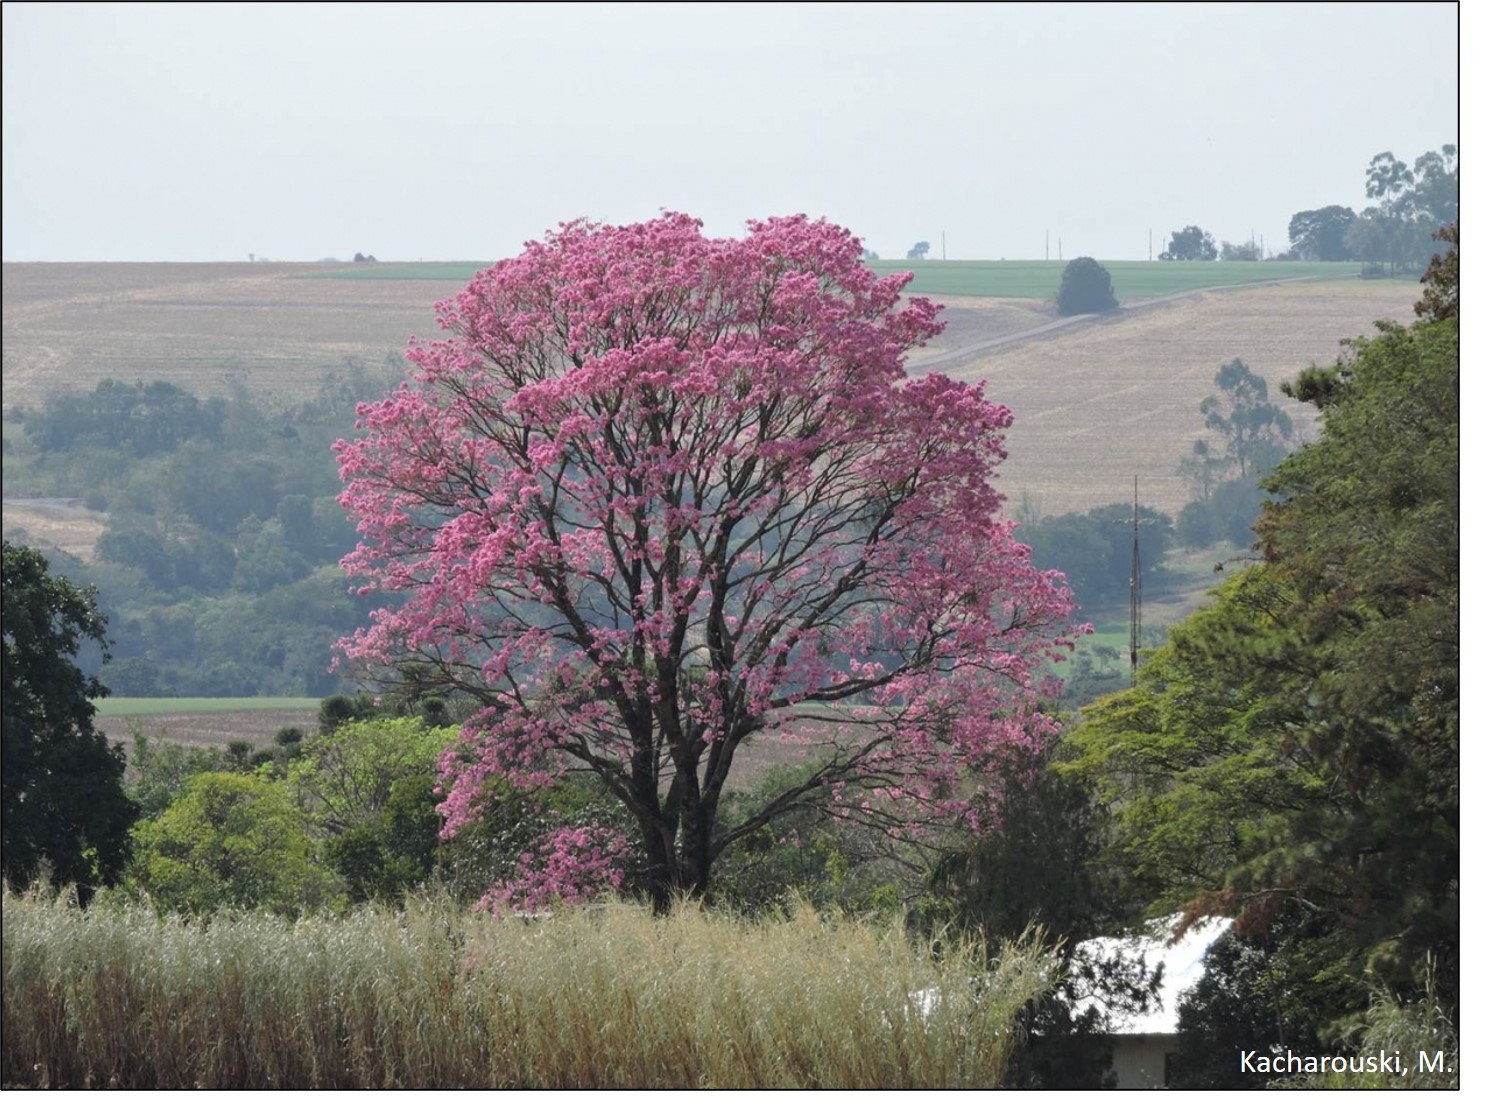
(296, 132)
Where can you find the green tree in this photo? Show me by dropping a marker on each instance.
(1322, 234)
(1412, 204)
(1255, 430)
(1441, 280)
(1086, 288)
(231, 840)
(162, 768)
(1296, 744)
(368, 788)
(1192, 243)
(1092, 549)
(1436, 194)
(1274, 989)
(1047, 865)
(64, 805)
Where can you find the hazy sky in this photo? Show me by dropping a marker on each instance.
(206, 132)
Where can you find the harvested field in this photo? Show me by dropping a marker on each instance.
(200, 326)
(1106, 400)
(212, 729)
(1097, 402)
(971, 320)
(57, 522)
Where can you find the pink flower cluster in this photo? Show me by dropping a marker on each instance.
(658, 496)
(571, 865)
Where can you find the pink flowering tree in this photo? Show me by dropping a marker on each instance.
(660, 501)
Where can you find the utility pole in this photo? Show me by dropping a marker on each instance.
(1135, 585)
(1045, 240)
(943, 249)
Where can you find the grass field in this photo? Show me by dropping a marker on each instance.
(123, 707)
(437, 997)
(1133, 279)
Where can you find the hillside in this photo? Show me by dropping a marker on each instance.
(1096, 402)
(1106, 399)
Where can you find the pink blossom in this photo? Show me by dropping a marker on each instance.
(658, 496)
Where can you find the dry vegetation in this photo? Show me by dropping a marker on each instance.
(1106, 400)
(208, 729)
(200, 325)
(438, 997)
(62, 523)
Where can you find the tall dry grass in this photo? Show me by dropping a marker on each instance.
(433, 996)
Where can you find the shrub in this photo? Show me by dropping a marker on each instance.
(1086, 288)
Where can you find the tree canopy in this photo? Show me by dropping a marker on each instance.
(1191, 243)
(1322, 234)
(1085, 288)
(1412, 204)
(64, 804)
(660, 501)
(1295, 747)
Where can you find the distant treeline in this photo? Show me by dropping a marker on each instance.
(217, 570)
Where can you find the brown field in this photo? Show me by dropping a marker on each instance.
(1097, 403)
(209, 729)
(199, 326)
(64, 524)
(1104, 401)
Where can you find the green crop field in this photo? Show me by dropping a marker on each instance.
(453, 271)
(1133, 279)
(128, 707)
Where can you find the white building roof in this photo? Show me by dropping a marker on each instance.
(1183, 961)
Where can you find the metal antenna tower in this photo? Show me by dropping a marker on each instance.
(1135, 585)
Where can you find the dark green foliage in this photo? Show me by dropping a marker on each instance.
(1086, 288)
(389, 854)
(1321, 234)
(217, 570)
(368, 785)
(1228, 513)
(806, 853)
(1192, 243)
(1271, 990)
(200, 562)
(64, 805)
(139, 420)
(337, 710)
(1093, 549)
(1296, 746)
(1046, 864)
(1441, 281)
